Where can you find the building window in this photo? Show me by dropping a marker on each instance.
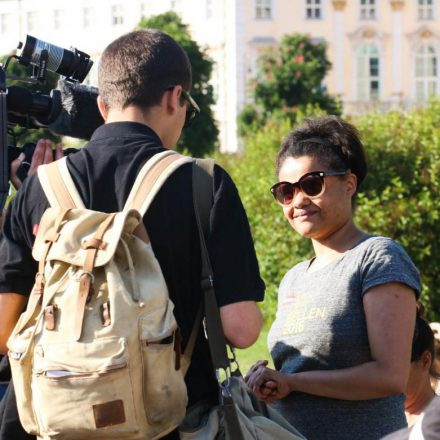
(426, 9)
(5, 23)
(88, 17)
(117, 15)
(368, 73)
(58, 18)
(426, 73)
(368, 10)
(313, 9)
(263, 9)
(32, 20)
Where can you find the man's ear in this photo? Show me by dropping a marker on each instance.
(172, 99)
(102, 107)
(426, 360)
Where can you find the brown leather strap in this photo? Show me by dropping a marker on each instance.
(50, 238)
(85, 285)
(86, 279)
(89, 262)
(36, 295)
(187, 354)
(94, 243)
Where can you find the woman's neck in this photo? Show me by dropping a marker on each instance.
(338, 242)
(416, 403)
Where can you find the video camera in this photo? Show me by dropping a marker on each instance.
(69, 110)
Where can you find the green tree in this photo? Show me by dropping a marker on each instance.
(201, 137)
(21, 135)
(290, 77)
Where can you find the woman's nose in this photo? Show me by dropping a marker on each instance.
(299, 199)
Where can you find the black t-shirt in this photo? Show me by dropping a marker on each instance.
(104, 172)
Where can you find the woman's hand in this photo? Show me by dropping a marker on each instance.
(43, 154)
(268, 384)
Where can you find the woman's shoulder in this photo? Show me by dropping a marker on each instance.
(378, 244)
(383, 260)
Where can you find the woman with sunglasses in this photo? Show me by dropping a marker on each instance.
(341, 340)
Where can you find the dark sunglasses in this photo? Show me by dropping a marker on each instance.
(192, 110)
(311, 184)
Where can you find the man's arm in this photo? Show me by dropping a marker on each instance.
(11, 306)
(242, 323)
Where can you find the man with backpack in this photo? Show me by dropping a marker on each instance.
(144, 83)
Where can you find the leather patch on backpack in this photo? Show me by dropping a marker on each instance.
(109, 413)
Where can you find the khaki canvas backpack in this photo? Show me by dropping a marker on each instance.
(96, 354)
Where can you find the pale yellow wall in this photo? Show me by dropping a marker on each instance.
(289, 16)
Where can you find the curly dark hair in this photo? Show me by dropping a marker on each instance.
(332, 140)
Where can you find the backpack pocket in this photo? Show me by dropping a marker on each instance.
(164, 389)
(84, 390)
(20, 360)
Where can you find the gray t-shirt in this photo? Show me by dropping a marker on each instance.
(320, 325)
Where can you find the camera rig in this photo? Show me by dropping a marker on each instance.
(34, 110)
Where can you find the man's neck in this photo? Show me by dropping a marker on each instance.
(151, 117)
(128, 114)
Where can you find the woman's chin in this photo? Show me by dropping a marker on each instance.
(303, 229)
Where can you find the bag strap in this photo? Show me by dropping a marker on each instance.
(60, 189)
(202, 179)
(202, 183)
(58, 185)
(151, 178)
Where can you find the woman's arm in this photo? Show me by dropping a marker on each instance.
(390, 311)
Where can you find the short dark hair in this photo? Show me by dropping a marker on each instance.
(423, 340)
(137, 67)
(336, 143)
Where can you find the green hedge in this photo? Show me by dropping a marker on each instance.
(399, 198)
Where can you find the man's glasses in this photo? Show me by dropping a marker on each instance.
(311, 185)
(192, 110)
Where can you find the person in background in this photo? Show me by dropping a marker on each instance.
(44, 153)
(435, 327)
(419, 390)
(341, 340)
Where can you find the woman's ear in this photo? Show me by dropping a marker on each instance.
(351, 181)
(102, 107)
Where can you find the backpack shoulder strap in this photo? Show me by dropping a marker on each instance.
(58, 185)
(203, 197)
(151, 178)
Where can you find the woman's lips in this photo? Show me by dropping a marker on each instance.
(301, 214)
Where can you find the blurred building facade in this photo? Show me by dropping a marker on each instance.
(384, 53)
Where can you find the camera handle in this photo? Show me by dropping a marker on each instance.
(4, 183)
